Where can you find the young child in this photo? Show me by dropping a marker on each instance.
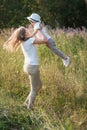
(37, 27)
(41, 33)
(31, 64)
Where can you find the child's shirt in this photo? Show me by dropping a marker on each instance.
(45, 33)
(37, 26)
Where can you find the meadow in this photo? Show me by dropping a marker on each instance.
(62, 102)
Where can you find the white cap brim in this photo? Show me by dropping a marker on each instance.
(30, 19)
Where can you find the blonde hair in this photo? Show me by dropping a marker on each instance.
(12, 44)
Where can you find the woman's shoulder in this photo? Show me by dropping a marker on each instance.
(30, 40)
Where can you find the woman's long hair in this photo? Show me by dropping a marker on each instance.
(15, 39)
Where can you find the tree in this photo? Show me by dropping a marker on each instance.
(68, 13)
(14, 12)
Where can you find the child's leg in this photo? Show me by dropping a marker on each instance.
(51, 45)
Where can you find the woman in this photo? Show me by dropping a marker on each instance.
(31, 64)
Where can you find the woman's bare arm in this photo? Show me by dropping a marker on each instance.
(37, 41)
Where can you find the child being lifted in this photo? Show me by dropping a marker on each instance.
(41, 34)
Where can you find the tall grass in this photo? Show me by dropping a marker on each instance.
(62, 102)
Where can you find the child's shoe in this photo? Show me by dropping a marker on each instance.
(66, 62)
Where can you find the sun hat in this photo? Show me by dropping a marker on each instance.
(34, 17)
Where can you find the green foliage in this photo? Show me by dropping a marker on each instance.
(14, 13)
(68, 13)
(62, 102)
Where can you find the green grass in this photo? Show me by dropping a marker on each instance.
(62, 102)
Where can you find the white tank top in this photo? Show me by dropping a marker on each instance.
(30, 52)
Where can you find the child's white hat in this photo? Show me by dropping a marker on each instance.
(34, 17)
